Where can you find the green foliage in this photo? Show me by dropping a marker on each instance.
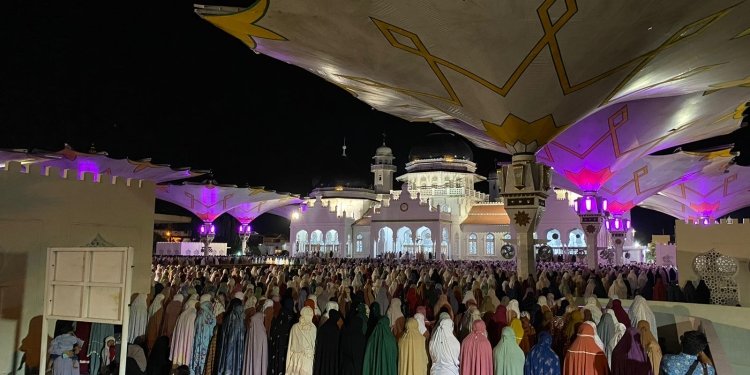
(651, 253)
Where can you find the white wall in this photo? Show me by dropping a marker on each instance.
(728, 239)
(40, 211)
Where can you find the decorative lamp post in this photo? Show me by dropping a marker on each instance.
(591, 210)
(618, 228)
(244, 231)
(207, 235)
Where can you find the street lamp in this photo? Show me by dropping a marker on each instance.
(244, 231)
(207, 235)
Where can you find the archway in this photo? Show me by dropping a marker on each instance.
(316, 240)
(385, 241)
(332, 241)
(424, 240)
(301, 239)
(404, 240)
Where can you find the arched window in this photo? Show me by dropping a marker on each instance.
(490, 244)
(316, 237)
(576, 238)
(360, 243)
(554, 238)
(332, 237)
(473, 244)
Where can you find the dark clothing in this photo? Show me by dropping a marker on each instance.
(158, 360)
(278, 339)
(326, 359)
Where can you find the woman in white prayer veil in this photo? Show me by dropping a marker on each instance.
(301, 353)
(638, 311)
(619, 333)
(138, 317)
(444, 349)
(592, 305)
(181, 349)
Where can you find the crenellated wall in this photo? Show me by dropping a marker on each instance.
(41, 208)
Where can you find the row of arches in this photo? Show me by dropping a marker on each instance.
(316, 241)
(405, 240)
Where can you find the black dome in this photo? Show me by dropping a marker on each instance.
(439, 145)
(343, 173)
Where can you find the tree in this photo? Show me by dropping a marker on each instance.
(651, 253)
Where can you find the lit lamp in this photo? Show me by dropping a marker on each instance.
(207, 235)
(244, 231)
(591, 209)
(618, 228)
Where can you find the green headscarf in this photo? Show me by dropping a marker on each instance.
(507, 355)
(381, 355)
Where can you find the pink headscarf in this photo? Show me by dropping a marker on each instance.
(476, 351)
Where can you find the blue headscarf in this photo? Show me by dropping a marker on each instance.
(542, 360)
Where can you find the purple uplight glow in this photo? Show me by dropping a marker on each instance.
(705, 221)
(87, 166)
(588, 203)
(627, 224)
(606, 224)
(604, 204)
(213, 229)
(617, 223)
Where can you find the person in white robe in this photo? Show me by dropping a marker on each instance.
(138, 317)
(638, 311)
(181, 350)
(444, 349)
(301, 353)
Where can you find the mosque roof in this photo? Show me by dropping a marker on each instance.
(487, 214)
(441, 145)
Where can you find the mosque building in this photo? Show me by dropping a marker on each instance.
(437, 211)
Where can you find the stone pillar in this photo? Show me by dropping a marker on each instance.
(618, 241)
(618, 229)
(523, 185)
(591, 209)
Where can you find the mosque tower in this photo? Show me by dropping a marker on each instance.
(383, 169)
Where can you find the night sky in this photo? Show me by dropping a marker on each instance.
(153, 80)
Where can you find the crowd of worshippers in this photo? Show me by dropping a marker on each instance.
(381, 317)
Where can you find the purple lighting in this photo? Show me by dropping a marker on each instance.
(617, 223)
(607, 224)
(203, 229)
(588, 203)
(213, 229)
(576, 204)
(705, 221)
(627, 224)
(604, 204)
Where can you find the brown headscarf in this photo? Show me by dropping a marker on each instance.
(650, 345)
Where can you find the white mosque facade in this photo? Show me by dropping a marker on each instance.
(438, 212)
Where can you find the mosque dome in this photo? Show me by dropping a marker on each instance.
(383, 151)
(439, 146)
(343, 174)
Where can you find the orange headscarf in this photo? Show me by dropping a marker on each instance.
(584, 356)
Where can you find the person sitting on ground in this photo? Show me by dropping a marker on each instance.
(692, 360)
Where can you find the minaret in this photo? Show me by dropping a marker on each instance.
(494, 186)
(383, 169)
